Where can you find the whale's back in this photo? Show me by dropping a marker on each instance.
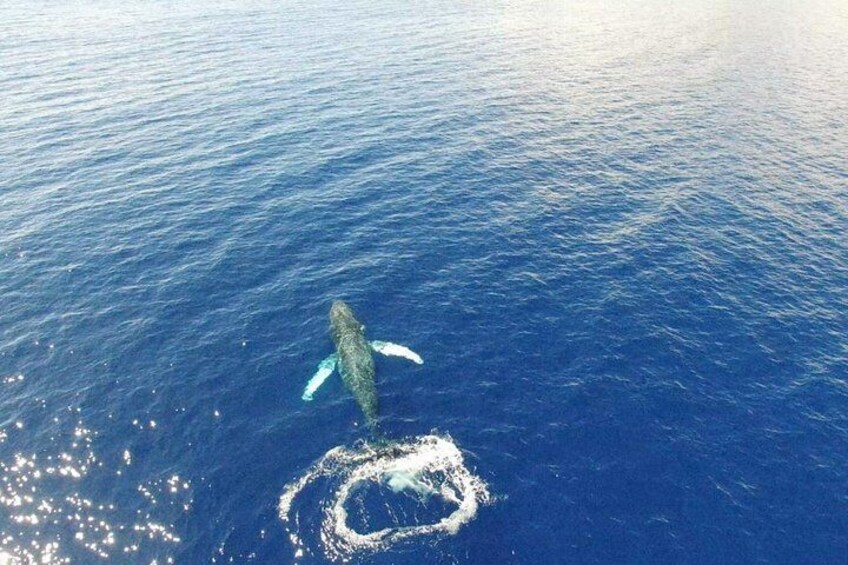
(355, 361)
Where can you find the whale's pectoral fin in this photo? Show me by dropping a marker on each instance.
(325, 369)
(396, 350)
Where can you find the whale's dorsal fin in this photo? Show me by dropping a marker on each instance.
(395, 350)
(325, 369)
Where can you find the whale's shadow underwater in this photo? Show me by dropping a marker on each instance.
(355, 363)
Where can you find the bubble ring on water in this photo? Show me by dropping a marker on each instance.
(411, 465)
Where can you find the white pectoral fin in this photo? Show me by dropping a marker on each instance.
(325, 369)
(395, 350)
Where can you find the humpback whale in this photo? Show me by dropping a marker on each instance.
(354, 361)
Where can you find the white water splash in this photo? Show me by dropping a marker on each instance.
(429, 466)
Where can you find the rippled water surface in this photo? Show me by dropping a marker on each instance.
(615, 234)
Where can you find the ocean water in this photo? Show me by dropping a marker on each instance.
(617, 235)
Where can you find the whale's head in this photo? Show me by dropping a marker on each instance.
(340, 310)
(342, 318)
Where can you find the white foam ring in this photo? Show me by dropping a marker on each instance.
(428, 465)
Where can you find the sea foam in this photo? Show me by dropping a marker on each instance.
(426, 467)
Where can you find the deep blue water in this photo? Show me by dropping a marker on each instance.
(617, 236)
